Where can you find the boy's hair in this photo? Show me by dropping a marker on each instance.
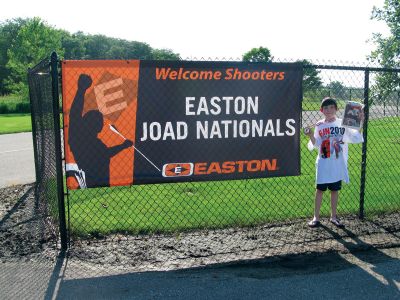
(328, 101)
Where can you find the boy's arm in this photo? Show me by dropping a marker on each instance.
(353, 136)
(311, 136)
(312, 143)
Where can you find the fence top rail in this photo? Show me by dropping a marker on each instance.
(352, 68)
(311, 65)
(42, 64)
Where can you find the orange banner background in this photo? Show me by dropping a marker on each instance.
(113, 92)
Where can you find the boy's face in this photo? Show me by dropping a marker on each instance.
(329, 111)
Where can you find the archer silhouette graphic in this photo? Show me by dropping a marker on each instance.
(91, 154)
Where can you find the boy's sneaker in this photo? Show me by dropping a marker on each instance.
(314, 223)
(337, 223)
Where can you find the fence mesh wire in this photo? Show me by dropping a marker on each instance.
(117, 229)
(383, 153)
(43, 132)
(29, 224)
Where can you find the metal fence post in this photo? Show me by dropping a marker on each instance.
(57, 134)
(34, 138)
(364, 145)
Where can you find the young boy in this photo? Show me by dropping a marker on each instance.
(331, 139)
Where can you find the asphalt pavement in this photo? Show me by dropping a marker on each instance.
(373, 274)
(16, 159)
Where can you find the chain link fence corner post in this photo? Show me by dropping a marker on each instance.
(364, 145)
(34, 135)
(56, 120)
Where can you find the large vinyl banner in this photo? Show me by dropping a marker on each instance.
(138, 122)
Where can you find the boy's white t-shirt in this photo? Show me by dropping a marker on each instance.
(331, 140)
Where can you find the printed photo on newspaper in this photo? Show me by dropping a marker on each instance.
(352, 115)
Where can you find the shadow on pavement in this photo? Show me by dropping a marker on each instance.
(366, 274)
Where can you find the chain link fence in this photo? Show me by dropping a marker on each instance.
(30, 228)
(382, 168)
(45, 145)
(169, 225)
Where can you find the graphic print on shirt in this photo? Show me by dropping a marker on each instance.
(334, 168)
(326, 148)
(337, 146)
(332, 141)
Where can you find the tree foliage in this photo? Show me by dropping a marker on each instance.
(387, 53)
(8, 32)
(24, 42)
(73, 45)
(337, 90)
(311, 79)
(33, 42)
(164, 54)
(260, 54)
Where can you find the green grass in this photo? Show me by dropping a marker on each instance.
(13, 123)
(186, 206)
(219, 204)
(383, 165)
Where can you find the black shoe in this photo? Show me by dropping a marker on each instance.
(337, 223)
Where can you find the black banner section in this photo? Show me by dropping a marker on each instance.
(201, 121)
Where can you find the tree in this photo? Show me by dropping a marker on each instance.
(138, 50)
(337, 90)
(311, 79)
(97, 46)
(260, 54)
(165, 54)
(8, 33)
(25, 42)
(73, 45)
(103, 47)
(34, 41)
(387, 53)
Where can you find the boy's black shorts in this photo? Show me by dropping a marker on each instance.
(334, 186)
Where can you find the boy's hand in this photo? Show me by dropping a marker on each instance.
(308, 131)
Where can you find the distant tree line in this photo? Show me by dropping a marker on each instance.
(387, 53)
(24, 42)
(311, 79)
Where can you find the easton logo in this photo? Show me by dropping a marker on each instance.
(177, 169)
